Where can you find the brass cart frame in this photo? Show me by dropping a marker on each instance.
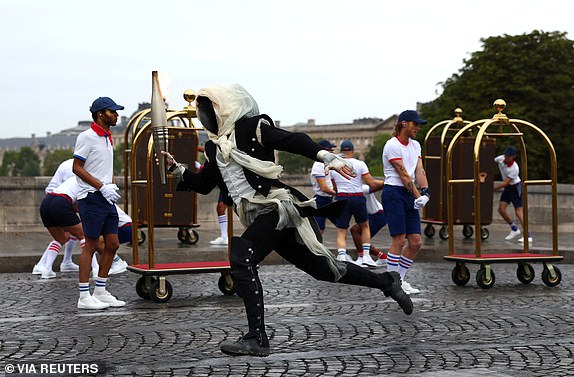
(485, 277)
(153, 283)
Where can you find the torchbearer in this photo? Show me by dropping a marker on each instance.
(240, 161)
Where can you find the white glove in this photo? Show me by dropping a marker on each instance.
(334, 162)
(110, 192)
(421, 201)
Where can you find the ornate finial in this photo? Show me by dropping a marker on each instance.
(189, 96)
(500, 105)
(457, 115)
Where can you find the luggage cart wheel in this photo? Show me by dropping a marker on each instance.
(484, 233)
(143, 286)
(551, 275)
(191, 238)
(443, 233)
(159, 293)
(429, 231)
(141, 237)
(460, 274)
(467, 231)
(226, 284)
(525, 273)
(485, 277)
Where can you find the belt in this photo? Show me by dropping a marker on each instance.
(350, 194)
(62, 195)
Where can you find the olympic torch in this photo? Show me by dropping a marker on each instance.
(159, 125)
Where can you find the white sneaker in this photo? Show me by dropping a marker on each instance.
(219, 241)
(521, 240)
(118, 267)
(37, 270)
(91, 302)
(381, 262)
(408, 288)
(368, 261)
(359, 261)
(344, 257)
(48, 274)
(107, 298)
(513, 234)
(69, 267)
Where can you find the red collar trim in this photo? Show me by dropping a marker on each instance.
(400, 141)
(101, 132)
(508, 164)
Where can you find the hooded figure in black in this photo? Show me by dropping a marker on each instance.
(240, 162)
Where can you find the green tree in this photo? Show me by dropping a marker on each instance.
(9, 161)
(295, 164)
(54, 158)
(119, 159)
(373, 158)
(534, 74)
(24, 163)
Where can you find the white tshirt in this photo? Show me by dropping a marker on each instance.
(318, 171)
(69, 187)
(395, 150)
(508, 172)
(63, 172)
(96, 150)
(355, 184)
(373, 205)
(123, 218)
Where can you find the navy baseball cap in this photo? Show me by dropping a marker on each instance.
(326, 144)
(411, 116)
(510, 151)
(104, 103)
(347, 146)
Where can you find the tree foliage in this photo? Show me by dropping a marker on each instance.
(373, 158)
(24, 163)
(534, 74)
(54, 158)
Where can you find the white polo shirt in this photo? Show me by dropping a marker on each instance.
(318, 171)
(94, 147)
(63, 172)
(354, 185)
(508, 172)
(395, 150)
(70, 188)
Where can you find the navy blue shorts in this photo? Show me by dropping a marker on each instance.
(356, 207)
(402, 218)
(512, 194)
(57, 210)
(376, 222)
(98, 216)
(125, 233)
(321, 202)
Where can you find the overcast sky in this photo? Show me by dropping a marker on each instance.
(330, 60)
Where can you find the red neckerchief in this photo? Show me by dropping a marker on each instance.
(509, 164)
(101, 132)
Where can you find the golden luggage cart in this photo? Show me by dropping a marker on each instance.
(435, 146)
(500, 125)
(156, 205)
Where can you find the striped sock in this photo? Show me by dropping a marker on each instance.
(342, 251)
(366, 249)
(404, 265)
(100, 284)
(222, 220)
(392, 262)
(84, 289)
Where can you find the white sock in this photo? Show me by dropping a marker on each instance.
(365, 249)
(100, 285)
(51, 253)
(222, 220)
(117, 258)
(95, 265)
(342, 251)
(404, 265)
(392, 262)
(84, 290)
(68, 249)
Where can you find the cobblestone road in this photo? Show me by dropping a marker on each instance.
(315, 328)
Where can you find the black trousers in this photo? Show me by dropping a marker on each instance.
(258, 240)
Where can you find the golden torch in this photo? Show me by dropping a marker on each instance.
(159, 124)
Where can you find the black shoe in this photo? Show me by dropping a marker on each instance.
(396, 292)
(247, 345)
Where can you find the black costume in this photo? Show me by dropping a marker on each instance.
(257, 137)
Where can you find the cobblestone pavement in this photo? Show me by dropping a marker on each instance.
(315, 328)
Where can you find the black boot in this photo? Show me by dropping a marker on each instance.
(388, 282)
(248, 345)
